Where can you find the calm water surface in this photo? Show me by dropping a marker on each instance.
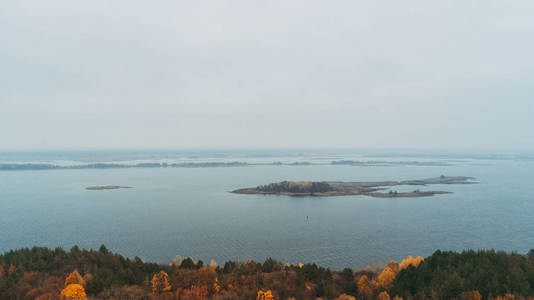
(189, 212)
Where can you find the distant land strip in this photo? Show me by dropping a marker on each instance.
(107, 187)
(369, 163)
(340, 188)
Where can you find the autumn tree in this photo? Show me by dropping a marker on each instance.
(383, 296)
(73, 292)
(345, 297)
(74, 278)
(268, 295)
(394, 266)
(160, 283)
(506, 297)
(73, 287)
(365, 289)
(471, 295)
(194, 292)
(213, 264)
(410, 261)
(386, 278)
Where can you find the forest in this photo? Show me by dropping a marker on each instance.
(43, 273)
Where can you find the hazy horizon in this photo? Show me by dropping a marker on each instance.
(279, 75)
(391, 150)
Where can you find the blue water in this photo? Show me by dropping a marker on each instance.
(189, 212)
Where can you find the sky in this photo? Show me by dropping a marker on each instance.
(131, 74)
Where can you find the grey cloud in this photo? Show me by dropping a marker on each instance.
(175, 74)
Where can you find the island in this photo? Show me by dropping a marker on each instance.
(340, 188)
(107, 187)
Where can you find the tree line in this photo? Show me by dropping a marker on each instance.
(43, 273)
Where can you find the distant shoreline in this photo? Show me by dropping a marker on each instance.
(368, 163)
(107, 187)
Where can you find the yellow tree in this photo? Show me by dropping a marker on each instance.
(345, 297)
(73, 291)
(73, 287)
(73, 278)
(383, 296)
(213, 264)
(365, 289)
(386, 278)
(410, 261)
(268, 295)
(160, 283)
(394, 266)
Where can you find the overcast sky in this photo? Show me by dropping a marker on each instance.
(187, 74)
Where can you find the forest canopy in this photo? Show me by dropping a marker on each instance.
(43, 273)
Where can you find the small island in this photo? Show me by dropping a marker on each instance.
(340, 188)
(107, 187)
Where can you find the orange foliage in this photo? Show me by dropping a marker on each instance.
(268, 295)
(74, 278)
(397, 298)
(383, 296)
(394, 266)
(195, 292)
(472, 295)
(73, 291)
(410, 261)
(160, 283)
(213, 264)
(189, 281)
(32, 285)
(345, 297)
(363, 282)
(364, 288)
(506, 297)
(206, 276)
(386, 278)
(216, 286)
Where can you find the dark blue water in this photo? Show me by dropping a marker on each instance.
(189, 212)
